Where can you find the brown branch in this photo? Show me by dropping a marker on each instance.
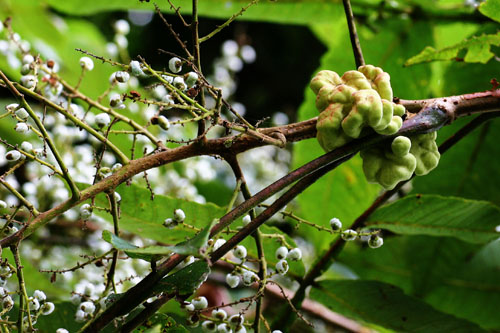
(356, 46)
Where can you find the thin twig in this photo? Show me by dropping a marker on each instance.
(356, 46)
(228, 22)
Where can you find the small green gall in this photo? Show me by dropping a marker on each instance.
(426, 152)
(400, 146)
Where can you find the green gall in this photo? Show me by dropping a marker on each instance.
(329, 131)
(324, 78)
(426, 152)
(382, 166)
(367, 110)
(356, 80)
(401, 146)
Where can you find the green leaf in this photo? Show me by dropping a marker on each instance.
(387, 306)
(473, 292)
(194, 245)
(185, 281)
(142, 216)
(296, 12)
(130, 249)
(478, 50)
(160, 323)
(62, 317)
(433, 215)
(491, 8)
(453, 276)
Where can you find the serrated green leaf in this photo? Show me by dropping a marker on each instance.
(184, 281)
(387, 306)
(491, 9)
(433, 215)
(453, 276)
(478, 50)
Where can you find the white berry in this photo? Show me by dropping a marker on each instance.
(199, 302)
(102, 120)
(236, 320)
(224, 328)
(135, 68)
(232, 280)
(47, 308)
(191, 79)
(249, 278)
(219, 243)
(26, 146)
(169, 223)
(246, 219)
(175, 65)
(179, 83)
(22, 128)
(375, 242)
(189, 307)
(281, 252)
(122, 77)
(282, 267)
(29, 81)
(22, 113)
(208, 326)
(349, 235)
(86, 63)
(219, 314)
(335, 224)
(122, 27)
(294, 254)
(179, 215)
(164, 122)
(12, 155)
(87, 307)
(240, 252)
